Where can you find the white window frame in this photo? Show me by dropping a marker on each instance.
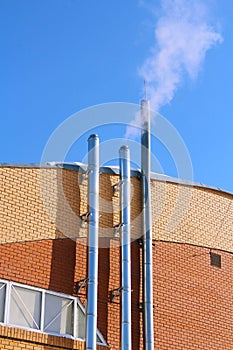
(76, 304)
(4, 306)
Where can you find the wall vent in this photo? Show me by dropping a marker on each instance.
(215, 259)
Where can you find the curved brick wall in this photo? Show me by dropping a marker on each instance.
(193, 301)
(181, 213)
(194, 215)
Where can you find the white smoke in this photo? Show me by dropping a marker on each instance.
(183, 35)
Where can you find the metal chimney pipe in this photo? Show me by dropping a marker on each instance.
(126, 341)
(147, 227)
(93, 198)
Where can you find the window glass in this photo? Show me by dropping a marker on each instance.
(58, 315)
(2, 300)
(81, 323)
(25, 307)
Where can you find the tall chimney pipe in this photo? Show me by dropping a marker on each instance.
(93, 197)
(147, 227)
(126, 341)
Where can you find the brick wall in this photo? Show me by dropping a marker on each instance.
(17, 339)
(193, 300)
(46, 264)
(38, 204)
(195, 215)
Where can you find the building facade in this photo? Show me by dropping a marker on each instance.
(43, 261)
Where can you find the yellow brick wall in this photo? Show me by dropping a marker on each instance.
(40, 204)
(22, 214)
(194, 215)
(17, 339)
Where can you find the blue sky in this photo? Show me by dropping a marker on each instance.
(60, 56)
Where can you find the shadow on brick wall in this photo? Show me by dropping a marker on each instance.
(103, 290)
(63, 266)
(136, 287)
(63, 260)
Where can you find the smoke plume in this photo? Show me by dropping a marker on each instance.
(183, 36)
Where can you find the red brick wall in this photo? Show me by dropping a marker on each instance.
(47, 264)
(193, 301)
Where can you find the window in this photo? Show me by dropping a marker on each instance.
(2, 300)
(25, 305)
(43, 311)
(80, 324)
(58, 315)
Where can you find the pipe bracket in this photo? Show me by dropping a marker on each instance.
(116, 229)
(116, 187)
(84, 217)
(115, 293)
(81, 284)
(84, 176)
